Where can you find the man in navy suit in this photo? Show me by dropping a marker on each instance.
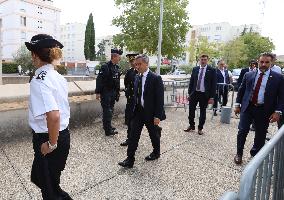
(148, 110)
(202, 90)
(252, 66)
(222, 77)
(260, 98)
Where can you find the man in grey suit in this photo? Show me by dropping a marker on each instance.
(260, 98)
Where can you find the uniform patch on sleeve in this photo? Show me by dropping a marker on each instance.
(41, 75)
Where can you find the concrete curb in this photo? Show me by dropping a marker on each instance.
(14, 123)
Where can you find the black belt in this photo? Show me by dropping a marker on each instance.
(46, 134)
(257, 104)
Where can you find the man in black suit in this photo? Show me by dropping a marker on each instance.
(202, 90)
(222, 77)
(252, 66)
(148, 110)
(260, 98)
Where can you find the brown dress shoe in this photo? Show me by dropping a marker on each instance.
(200, 132)
(238, 159)
(189, 129)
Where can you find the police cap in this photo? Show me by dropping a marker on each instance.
(131, 56)
(41, 41)
(117, 51)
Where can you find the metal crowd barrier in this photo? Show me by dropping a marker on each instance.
(177, 94)
(263, 177)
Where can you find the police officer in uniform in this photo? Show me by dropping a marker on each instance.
(49, 114)
(107, 89)
(129, 93)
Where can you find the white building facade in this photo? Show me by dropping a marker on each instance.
(222, 32)
(73, 38)
(21, 19)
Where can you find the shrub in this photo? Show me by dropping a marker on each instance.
(164, 69)
(186, 68)
(61, 69)
(9, 68)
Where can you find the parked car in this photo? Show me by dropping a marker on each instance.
(235, 76)
(179, 72)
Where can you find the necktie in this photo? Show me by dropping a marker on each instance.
(199, 79)
(139, 92)
(256, 89)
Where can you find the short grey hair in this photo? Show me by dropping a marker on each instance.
(144, 58)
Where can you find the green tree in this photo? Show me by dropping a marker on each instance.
(23, 57)
(246, 47)
(101, 54)
(234, 53)
(256, 44)
(89, 45)
(139, 23)
(203, 46)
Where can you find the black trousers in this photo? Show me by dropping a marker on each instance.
(46, 170)
(197, 97)
(261, 121)
(107, 103)
(129, 114)
(137, 124)
(222, 93)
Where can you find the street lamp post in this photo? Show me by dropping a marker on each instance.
(160, 35)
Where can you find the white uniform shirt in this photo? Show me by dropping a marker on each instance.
(48, 92)
(202, 87)
(143, 85)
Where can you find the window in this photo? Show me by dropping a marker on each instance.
(218, 28)
(23, 35)
(23, 21)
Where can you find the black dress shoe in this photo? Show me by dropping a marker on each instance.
(200, 132)
(125, 143)
(64, 195)
(111, 133)
(152, 156)
(127, 163)
(189, 129)
(238, 159)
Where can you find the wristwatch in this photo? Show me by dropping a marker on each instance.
(51, 147)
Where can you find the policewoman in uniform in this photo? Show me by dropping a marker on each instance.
(107, 89)
(49, 114)
(129, 80)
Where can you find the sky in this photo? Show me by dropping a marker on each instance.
(236, 12)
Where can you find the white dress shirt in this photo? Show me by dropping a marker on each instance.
(202, 87)
(144, 77)
(261, 92)
(48, 92)
(224, 75)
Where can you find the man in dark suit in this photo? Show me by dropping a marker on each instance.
(148, 110)
(222, 77)
(202, 90)
(260, 98)
(129, 93)
(252, 66)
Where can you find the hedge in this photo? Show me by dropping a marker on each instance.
(9, 68)
(163, 69)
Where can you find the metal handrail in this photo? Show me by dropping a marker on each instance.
(263, 177)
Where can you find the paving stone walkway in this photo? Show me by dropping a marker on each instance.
(191, 166)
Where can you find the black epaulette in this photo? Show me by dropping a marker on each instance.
(41, 75)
